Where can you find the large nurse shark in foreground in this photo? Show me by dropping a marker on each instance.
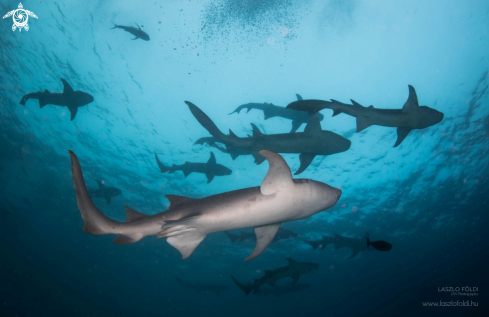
(188, 221)
(313, 141)
(411, 117)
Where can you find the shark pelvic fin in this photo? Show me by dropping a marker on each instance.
(245, 288)
(412, 102)
(278, 177)
(133, 215)
(176, 200)
(258, 158)
(126, 239)
(264, 235)
(73, 112)
(66, 87)
(362, 123)
(256, 131)
(306, 160)
(336, 112)
(401, 135)
(186, 242)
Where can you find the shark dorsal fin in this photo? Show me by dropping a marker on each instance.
(231, 133)
(264, 235)
(278, 177)
(299, 97)
(313, 125)
(256, 131)
(176, 200)
(212, 159)
(412, 102)
(100, 184)
(66, 87)
(371, 107)
(47, 91)
(132, 215)
(292, 263)
(354, 103)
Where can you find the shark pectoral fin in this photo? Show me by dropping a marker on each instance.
(296, 124)
(176, 200)
(306, 160)
(107, 198)
(354, 253)
(299, 97)
(401, 135)
(133, 215)
(295, 277)
(258, 158)
(212, 159)
(313, 126)
(73, 112)
(264, 235)
(362, 123)
(186, 242)
(66, 87)
(256, 131)
(126, 239)
(279, 177)
(412, 102)
(210, 176)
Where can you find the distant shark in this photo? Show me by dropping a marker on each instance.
(280, 198)
(281, 235)
(313, 141)
(357, 245)
(206, 288)
(284, 290)
(270, 111)
(411, 117)
(137, 32)
(293, 270)
(103, 191)
(210, 169)
(68, 98)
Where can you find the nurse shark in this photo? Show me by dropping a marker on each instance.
(412, 116)
(188, 221)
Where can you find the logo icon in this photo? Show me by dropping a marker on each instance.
(20, 17)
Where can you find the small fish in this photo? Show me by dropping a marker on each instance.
(380, 245)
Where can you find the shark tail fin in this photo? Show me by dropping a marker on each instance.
(245, 288)
(24, 100)
(95, 222)
(115, 27)
(163, 167)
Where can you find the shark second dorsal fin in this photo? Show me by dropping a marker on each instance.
(313, 125)
(66, 87)
(354, 103)
(299, 97)
(256, 131)
(212, 159)
(412, 102)
(176, 200)
(132, 215)
(264, 235)
(279, 177)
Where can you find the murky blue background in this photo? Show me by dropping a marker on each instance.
(428, 197)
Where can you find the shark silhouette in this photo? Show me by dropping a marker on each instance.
(210, 169)
(281, 235)
(188, 221)
(270, 111)
(293, 270)
(68, 98)
(137, 32)
(313, 141)
(284, 290)
(200, 287)
(103, 191)
(411, 117)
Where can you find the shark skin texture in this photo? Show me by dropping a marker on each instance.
(68, 98)
(270, 111)
(210, 169)
(310, 143)
(103, 191)
(137, 32)
(294, 270)
(282, 234)
(188, 221)
(203, 288)
(412, 116)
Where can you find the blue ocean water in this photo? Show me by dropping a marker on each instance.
(427, 197)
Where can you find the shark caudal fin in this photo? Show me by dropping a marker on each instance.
(245, 288)
(163, 167)
(94, 221)
(24, 100)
